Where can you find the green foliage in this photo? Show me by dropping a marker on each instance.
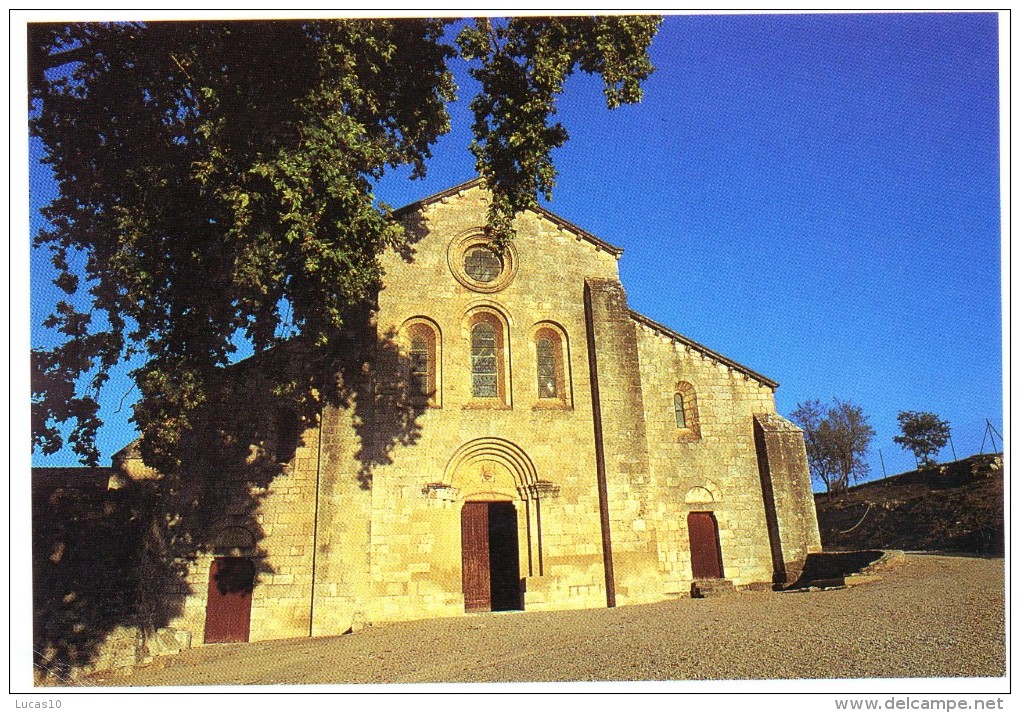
(216, 178)
(524, 63)
(924, 435)
(837, 437)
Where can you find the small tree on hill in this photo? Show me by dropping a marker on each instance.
(837, 437)
(924, 435)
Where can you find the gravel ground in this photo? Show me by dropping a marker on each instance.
(933, 616)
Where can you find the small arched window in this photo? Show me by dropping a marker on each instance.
(678, 411)
(421, 365)
(423, 360)
(484, 361)
(685, 412)
(233, 538)
(551, 369)
(548, 388)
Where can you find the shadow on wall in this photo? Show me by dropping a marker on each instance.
(110, 565)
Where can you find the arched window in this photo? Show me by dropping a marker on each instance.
(484, 361)
(685, 411)
(423, 361)
(487, 333)
(551, 369)
(678, 411)
(548, 388)
(421, 366)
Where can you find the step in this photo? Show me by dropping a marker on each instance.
(704, 588)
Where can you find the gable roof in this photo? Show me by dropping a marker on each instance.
(701, 348)
(547, 214)
(609, 248)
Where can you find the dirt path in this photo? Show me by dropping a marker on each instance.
(934, 616)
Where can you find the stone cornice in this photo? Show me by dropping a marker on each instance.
(539, 210)
(702, 349)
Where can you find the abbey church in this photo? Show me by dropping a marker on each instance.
(509, 436)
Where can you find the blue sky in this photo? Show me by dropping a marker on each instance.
(815, 196)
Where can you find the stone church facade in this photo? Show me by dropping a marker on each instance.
(562, 451)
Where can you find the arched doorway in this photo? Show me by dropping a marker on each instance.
(490, 557)
(500, 521)
(706, 555)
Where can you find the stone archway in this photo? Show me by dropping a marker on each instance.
(499, 519)
(491, 465)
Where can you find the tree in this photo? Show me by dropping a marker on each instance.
(924, 435)
(837, 437)
(216, 182)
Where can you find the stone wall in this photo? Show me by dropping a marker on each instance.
(622, 447)
(417, 496)
(786, 487)
(709, 466)
(347, 494)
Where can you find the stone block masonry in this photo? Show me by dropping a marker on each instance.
(496, 430)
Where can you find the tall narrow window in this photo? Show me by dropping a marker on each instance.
(552, 372)
(484, 363)
(546, 356)
(685, 411)
(421, 370)
(678, 410)
(420, 367)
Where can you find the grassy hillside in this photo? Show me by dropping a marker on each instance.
(953, 507)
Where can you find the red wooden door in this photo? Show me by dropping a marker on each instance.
(706, 557)
(474, 545)
(228, 608)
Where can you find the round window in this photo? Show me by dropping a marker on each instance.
(478, 265)
(481, 263)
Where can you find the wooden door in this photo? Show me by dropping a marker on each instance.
(474, 545)
(706, 556)
(228, 608)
